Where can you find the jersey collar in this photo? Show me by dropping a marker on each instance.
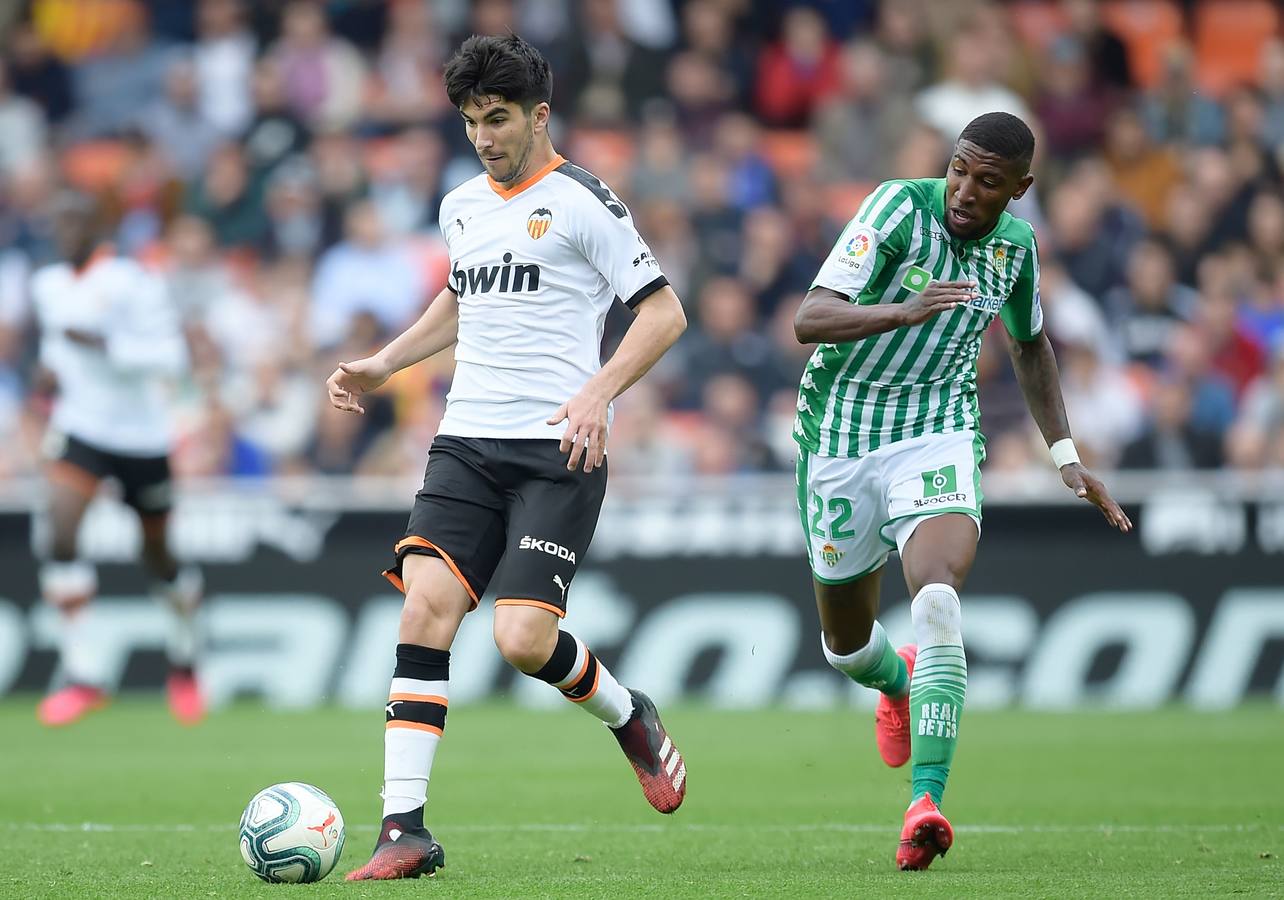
(510, 193)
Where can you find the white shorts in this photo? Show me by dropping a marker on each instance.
(854, 511)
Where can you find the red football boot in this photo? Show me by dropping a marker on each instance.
(71, 704)
(401, 854)
(659, 766)
(185, 700)
(892, 717)
(926, 835)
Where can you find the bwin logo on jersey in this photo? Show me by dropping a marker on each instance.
(519, 278)
(530, 543)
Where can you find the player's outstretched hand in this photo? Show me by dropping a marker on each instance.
(352, 379)
(1089, 487)
(937, 297)
(585, 418)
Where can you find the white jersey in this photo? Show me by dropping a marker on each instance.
(536, 269)
(111, 397)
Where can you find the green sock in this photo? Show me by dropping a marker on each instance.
(936, 704)
(876, 665)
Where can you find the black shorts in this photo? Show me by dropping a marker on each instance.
(487, 500)
(144, 480)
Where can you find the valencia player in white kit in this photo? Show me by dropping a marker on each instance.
(110, 339)
(540, 249)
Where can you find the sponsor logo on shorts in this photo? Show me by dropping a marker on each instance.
(942, 499)
(831, 555)
(940, 481)
(941, 487)
(552, 549)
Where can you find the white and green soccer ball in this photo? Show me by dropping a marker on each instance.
(291, 832)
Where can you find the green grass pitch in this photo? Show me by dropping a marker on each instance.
(781, 804)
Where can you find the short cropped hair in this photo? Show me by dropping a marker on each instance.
(505, 66)
(1002, 134)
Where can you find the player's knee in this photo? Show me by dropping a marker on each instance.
(526, 645)
(428, 618)
(937, 615)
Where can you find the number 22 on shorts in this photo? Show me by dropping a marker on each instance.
(840, 511)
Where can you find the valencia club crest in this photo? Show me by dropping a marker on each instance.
(539, 223)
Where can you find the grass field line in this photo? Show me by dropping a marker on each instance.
(585, 827)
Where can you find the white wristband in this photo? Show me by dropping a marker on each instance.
(1064, 453)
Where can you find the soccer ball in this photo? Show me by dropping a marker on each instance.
(291, 832)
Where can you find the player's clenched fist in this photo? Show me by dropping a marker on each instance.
(937, 297)
(352, 379)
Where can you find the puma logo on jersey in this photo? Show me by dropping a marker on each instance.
(508, 278)
(530, 543)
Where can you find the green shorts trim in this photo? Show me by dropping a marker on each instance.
(927, 513)
(871, 570)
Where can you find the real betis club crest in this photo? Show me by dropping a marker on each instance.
(831, 555)
(940, 481)
(1000, 257)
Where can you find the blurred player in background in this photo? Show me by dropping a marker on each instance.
(539, 249)
(889, 436)
(109, 341)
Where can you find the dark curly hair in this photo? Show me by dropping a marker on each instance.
(506, 66)
(1002, 134)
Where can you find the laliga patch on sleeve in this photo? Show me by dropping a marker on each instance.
(857, 247)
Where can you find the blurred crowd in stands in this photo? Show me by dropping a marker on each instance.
(281, 162)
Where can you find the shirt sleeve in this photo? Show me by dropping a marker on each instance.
(448, 223)
(610, 242)
(873, 239)
(1022, 314)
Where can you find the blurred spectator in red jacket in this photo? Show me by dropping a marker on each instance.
(799, 72)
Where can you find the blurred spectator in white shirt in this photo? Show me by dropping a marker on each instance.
(22, 128)
(365, 273)
(971, 89)
(1100, 401)
(224, 58)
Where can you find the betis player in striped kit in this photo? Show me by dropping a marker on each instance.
(889, 435)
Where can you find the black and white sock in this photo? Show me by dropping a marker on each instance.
(575, 671)
(413, 723)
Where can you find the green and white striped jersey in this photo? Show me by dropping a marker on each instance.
(920, 379)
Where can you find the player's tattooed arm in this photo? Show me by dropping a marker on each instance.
(434, 331)
(660, 321)
(827, 316)
(1036, 372)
